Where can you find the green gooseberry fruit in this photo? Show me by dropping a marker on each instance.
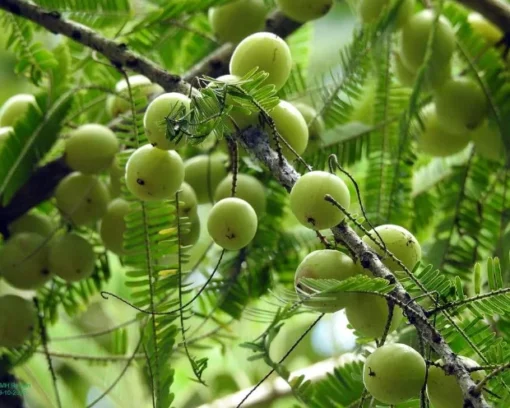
(71, 257)
(203, 173)
(188, 202)
(140, 85)
(237, 20)
(394, 373)
(443, 390)
(325, 264)
(435, 77)
(484, 28)
(24, 261)
(371, 10)
(113, 226)
(5, 132)
(415, 36)
(33, 222)
(193, 234)
(368, 315)
(232, 223)
(173, 105)
(436, 140)
(248, 188)
(313, 120)
(488, 142)
(400, 242)
(304, 10)
(18, 320)
(91, 148)
(291, 126)
(15, 108)
(82, 198)
(308, 204)
(154, 174)
(266, 51)
(461, 105)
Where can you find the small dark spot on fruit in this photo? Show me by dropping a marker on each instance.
(45, 272)
(370, 372)
(78, 271)
(310, 220)
(140, 182)
(89, 201)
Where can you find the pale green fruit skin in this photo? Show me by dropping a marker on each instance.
(116, 105)
(326, 264)
(18, 320)
(71, 257)
(15, 108)
(191, 238)
(154, 120)
(4, 134)
(400, 242)
(394, 373)
(32, 222)
(82, 198)
(204, 173)
(232, 223)
(485, 28)
(461, 105)
(404, 75)
(435, 77)
(415, 34)
(24, 261)
(304, 10)
(437, 140)
(237, 20)
(266, 51)
(488, 142)
(291, 126)
(371, 10)
(314, 122)
(113, 226)
(308, 204)
(368, 314)
(248, 189)
(91, 148)
(188, 202)
(443, 390)
(154, 174)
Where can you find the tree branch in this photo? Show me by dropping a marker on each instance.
(257, 143)
(496, 11)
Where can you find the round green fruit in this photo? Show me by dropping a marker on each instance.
(435, 77)
(232, 223)
(461, 105)
(400, 242)
(415, 36)
(15, 108)
(488, 142)
(18, 320)
(248, 188)
(169, 105)
(436, 140)
(33, 222)
(188, 202)
(394, 373)
(308, 204)
(71, 257)
(371, 10)
(484, 28)
(443, 390)
(24, 261)
(5, 132)
(82, 198)
(237, 20)
(204, 173)
(291, 126)
(113, 226)
(313, 120)
(91, 148)
(325, 264)
(193, 234)
(154, 174)
(368, 315)
(266, 51)
(304, 10)
(117, 105)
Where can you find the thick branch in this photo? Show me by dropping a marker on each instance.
(256, 142)
(496, 11)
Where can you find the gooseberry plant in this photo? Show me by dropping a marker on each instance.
(183, 168)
